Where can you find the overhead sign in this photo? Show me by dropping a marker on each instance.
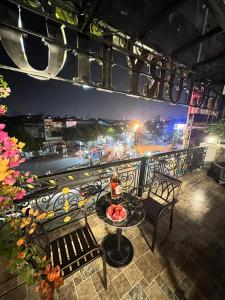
(165, 80)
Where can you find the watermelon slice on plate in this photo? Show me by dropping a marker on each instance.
(116, 213)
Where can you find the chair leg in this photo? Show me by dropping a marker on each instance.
(154, 235)
(171, 219)
(104, 268)
(147, 242)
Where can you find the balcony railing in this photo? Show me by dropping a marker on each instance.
(93, 182)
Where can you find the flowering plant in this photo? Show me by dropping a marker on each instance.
(22, 250)
(4, 88)
(19, 250)
(13, 184)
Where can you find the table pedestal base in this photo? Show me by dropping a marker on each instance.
(118, 256)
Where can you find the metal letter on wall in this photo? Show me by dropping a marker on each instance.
(156, 89)
(106, 81)
(12, 40)
(166, 81)
(135, 66)
(83, 44)
(178, 87)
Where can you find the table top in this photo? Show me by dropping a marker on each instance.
(133, 206)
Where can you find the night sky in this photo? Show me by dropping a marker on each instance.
(34, 96)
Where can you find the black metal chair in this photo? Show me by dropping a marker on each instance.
(159, 198)
(76, 249)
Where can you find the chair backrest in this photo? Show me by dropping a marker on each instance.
(164, 187)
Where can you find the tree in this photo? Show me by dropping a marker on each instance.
(31, 143)
(218, 129)
(72, 134)
(89, 132)
(114, 130)
(111, 132)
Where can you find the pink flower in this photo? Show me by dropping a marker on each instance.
(9, 180)
(27, 174)
(30, 180)
(3, 136)
(16, 161)
(3, 109)
(2, 126)
(3, 198)
(8, 144)
(16, 174)
(20, 194)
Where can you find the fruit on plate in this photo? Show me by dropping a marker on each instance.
(116, 212)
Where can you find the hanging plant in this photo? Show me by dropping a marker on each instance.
(218, 129)
(66, 15)
(96, 30)
(33, 3)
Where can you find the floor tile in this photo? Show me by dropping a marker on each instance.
(87, 271)
(154, 292)
(121, 285)
(144, 283)
(97, 279)
(86, 290)
(77, 279)
(146, 269)
(133, 274)
(67, 291)
(109, 294)
(138, 293)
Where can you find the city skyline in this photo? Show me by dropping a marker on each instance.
(60, 99)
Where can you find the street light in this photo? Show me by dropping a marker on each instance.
(136, 126)
(136, 129)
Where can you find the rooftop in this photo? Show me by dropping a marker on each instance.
(189, 263)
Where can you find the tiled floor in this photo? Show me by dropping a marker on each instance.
(189, 263)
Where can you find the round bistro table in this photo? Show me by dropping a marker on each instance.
(119, 250)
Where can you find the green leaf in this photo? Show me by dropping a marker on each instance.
(30, 186)
(52, 181)
(27, 274)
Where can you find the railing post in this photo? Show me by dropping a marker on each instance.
(141, 181)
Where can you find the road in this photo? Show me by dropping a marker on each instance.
(41, 167)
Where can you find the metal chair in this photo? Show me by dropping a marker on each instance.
(162, 195)
(76, 249)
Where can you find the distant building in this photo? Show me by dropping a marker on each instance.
(170, 125)
(197, 124)
(31, 124)
(50, 128)
(53, 130)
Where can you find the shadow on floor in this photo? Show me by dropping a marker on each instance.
(194, 252)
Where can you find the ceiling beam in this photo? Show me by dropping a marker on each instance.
(197, 40)
(162, 14)
(208, 60)
(217, 8)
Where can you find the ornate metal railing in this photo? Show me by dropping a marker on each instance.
(93, 182)
(175, 163)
